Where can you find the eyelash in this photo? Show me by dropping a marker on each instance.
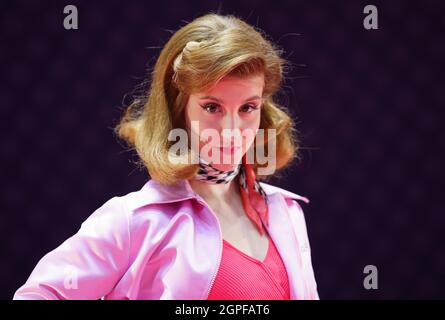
(252, 107)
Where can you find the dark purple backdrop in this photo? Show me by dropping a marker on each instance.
(368, 104)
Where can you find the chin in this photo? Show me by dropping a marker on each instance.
(225, 167)
(224, 161)
(226, 164)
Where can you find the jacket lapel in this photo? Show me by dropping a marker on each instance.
(282, 233)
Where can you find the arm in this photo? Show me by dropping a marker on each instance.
(88, 264)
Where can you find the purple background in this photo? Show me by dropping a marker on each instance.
(368, 105)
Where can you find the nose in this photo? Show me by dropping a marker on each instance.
(230, 130)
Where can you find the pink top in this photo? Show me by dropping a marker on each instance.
(242, 277)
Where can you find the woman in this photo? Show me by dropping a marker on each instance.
(202, 227)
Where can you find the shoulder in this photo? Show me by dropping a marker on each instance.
(295, 211)
(109, 219)
(112, 216)
(286, 194)
(291, 199)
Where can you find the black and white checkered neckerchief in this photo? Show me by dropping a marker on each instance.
(210, 174)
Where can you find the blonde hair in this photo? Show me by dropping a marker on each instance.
(195, 58)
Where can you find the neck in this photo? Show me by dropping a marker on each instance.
(215, 192)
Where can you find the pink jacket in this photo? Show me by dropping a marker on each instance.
(162, 242)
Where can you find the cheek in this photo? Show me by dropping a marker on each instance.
(251, 130)
(195, 123)
(202, 134)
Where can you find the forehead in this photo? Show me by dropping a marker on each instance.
(236, 86)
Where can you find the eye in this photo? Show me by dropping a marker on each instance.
(210, 107)
(248, 108)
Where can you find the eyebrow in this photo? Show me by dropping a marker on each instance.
(220, 101)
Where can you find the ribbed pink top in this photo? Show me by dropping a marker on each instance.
(242, 277)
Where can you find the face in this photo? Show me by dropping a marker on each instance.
(225, 119)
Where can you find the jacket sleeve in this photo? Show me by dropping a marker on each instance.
(299, 225)
(88, 264)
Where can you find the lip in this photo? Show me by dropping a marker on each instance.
(228, 149)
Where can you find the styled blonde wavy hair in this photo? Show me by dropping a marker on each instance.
(194, 59)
